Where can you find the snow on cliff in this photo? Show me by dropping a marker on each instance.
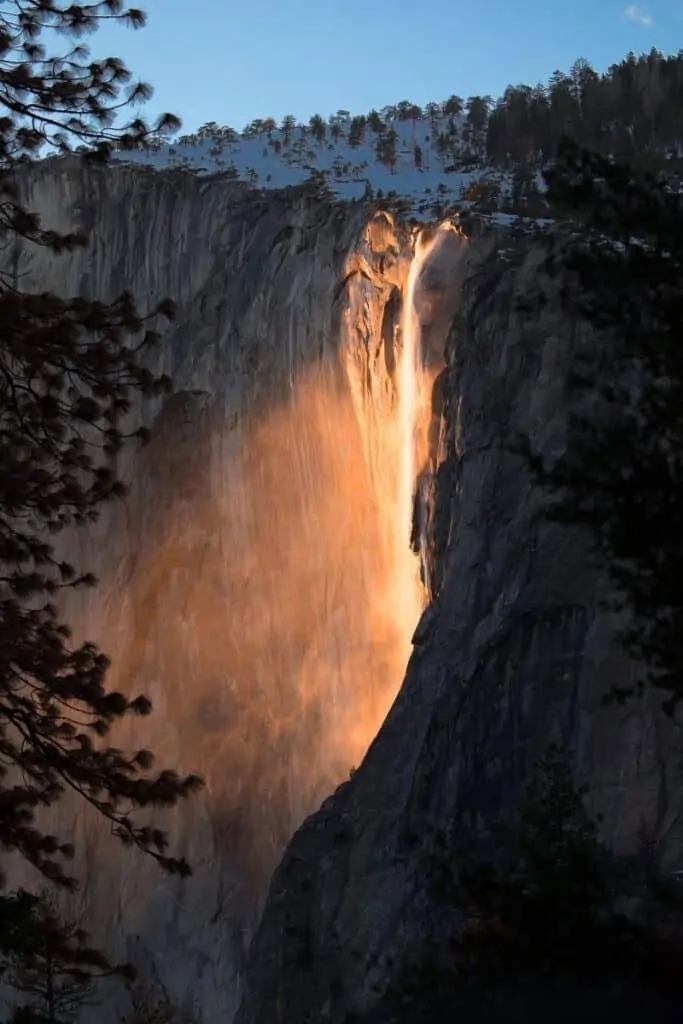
(424, 159)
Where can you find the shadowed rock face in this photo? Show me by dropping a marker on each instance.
(437, 295)
(511, 655)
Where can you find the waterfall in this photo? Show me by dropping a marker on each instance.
(430, 296)
(413, 415)
(398, 319)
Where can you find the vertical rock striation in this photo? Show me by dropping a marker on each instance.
(239, 579)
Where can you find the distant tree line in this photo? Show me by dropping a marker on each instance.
(633, 107)
(629, 112)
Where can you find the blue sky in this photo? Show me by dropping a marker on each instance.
(238, 59)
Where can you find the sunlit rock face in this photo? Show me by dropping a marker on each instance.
(511, 654)
(246, 581)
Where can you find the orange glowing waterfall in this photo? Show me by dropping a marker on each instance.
(414, 388)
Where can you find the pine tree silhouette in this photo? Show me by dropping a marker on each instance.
(69, 371)
(51, 966)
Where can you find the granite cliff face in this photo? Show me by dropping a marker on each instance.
(244, 581)
(249, 586)
(511, 655)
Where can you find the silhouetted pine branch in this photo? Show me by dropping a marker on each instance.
(70, 370)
